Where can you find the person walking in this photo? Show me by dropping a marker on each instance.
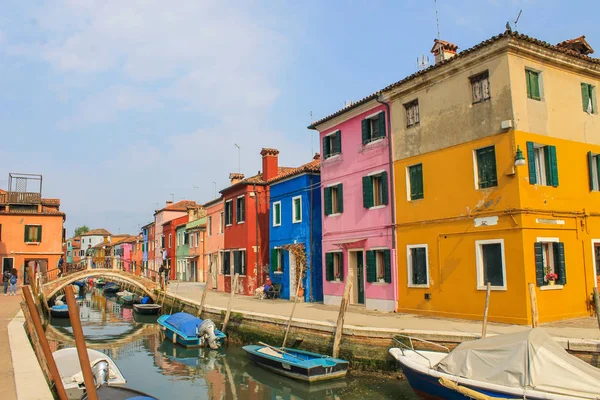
(13, 282)
(5, 280)
(61, 262)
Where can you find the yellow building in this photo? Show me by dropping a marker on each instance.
(470, 207)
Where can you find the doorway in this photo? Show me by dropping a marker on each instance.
(597, 261)
(358, 286)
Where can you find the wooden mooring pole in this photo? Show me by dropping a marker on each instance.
(534, 310)
(233, 289)
(343, 307)
(204, 291)
(84, 358)
(597, 305)
(39, 331)
(287, 329)
(485, 310)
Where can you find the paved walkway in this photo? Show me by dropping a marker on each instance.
(583, 328)
(9, 306)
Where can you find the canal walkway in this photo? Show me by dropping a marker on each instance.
(582, 328)
(9, 306)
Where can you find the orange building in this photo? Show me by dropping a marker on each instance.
(31, 227)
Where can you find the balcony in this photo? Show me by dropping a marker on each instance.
(23, 198)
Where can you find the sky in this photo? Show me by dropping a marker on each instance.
(122, 105)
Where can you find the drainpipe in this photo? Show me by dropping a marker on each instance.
(392, 197)
(310, 266)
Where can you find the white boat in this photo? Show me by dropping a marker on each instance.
(67, 362)
(524, 365)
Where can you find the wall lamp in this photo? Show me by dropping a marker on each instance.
(519, 159)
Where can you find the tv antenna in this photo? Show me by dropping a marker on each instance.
(422, 62)
(517, 20)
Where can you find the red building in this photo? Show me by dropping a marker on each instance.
(170, 242)
(246, 214)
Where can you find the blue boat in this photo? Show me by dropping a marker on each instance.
(527, 364)
(297, 364)
(59, 311)
(111, 287)
(190, 331)
(80, 283)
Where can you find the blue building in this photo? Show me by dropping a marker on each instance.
(145, 235)
(295, 208)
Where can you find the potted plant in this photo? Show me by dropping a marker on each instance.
(551, 278)
(337, 277)
(381, 279)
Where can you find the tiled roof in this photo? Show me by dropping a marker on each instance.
(51, 202)
(179, 206)
(97, 232)
(45, 211)
(213, 201)
(560, 48)
(313, 166)
(257, 179)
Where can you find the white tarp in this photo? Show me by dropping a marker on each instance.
(530, 359)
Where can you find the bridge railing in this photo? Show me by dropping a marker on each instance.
(69, 268)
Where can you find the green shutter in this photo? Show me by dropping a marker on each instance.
(598, 170)
(539, 264)
(591, 167)
(39, 234)
(367, 184)
(277, 214)
(533, 85)
(531, 163)
(382, 124)
(384, 188)
(340, 198)
(326, 149)
(585, 95)
(327, 200)
(559, 263)
(371, 266)
(365, 131)
(297, 209)
(387, 266)
(416, 181)
(419, 265)
(551, 166)
(274, 260)
(236, 262)
(486, 167)
(338, 142)
(25, 237)
(329, 267)
(341, 266)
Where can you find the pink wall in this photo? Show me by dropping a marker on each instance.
(357, 222)
(127, 256)
(215, 241)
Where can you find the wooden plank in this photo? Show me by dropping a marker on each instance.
(233, 289)
(287, 329)
(485, 310)
(343, 307)
(534, 309)
(597, 305)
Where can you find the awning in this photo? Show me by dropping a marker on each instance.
(351, 243)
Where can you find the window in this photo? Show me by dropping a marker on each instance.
(549, 259)
(533, 84)
(373, 128)
(68, 253)
(543, 167)
(334, 266)
(186, 238)
(209, 226)
(594, 171)
(221, 222)
(418, 265)
(33, 233)
(486, 167)
(332, 144)
(490, 264)
(240, 209)
(277, 262)
(162, 241)
(297, 209)
(239, 262)
(412, 113)
(228, 212)
(277, 213)
(226, 263)
(587, 97)
(170, 236)
(334, 199)
(375, 190)
(480, 85)
(415, 182)
(379, 268)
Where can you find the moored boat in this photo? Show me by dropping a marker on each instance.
(106, 392)
(59, 311)
(514, 366)
(111, 287)
(297, 364)
(147, 309)
(189, 331)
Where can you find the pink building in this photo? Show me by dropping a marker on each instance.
(357, 205)
(214, 240)
(162, 216)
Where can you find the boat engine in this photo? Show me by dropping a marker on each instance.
(206, 330)
(100, 372)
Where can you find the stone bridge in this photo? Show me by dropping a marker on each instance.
(148, 286)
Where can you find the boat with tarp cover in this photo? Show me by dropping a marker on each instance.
(528, 364)
(190, 331)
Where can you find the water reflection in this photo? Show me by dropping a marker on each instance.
(167, 371)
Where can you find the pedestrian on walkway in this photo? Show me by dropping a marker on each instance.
(61, 262)
(5, 280)
(12, 289)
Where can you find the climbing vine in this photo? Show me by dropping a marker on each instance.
(299, 252)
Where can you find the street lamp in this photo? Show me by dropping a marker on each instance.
(519, 159)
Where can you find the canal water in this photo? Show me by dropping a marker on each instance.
(169, 371)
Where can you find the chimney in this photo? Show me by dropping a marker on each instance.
(578, 45)
(169, 202)
(270, 163)
(235, 177)
(317, 156)
(443, 50)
